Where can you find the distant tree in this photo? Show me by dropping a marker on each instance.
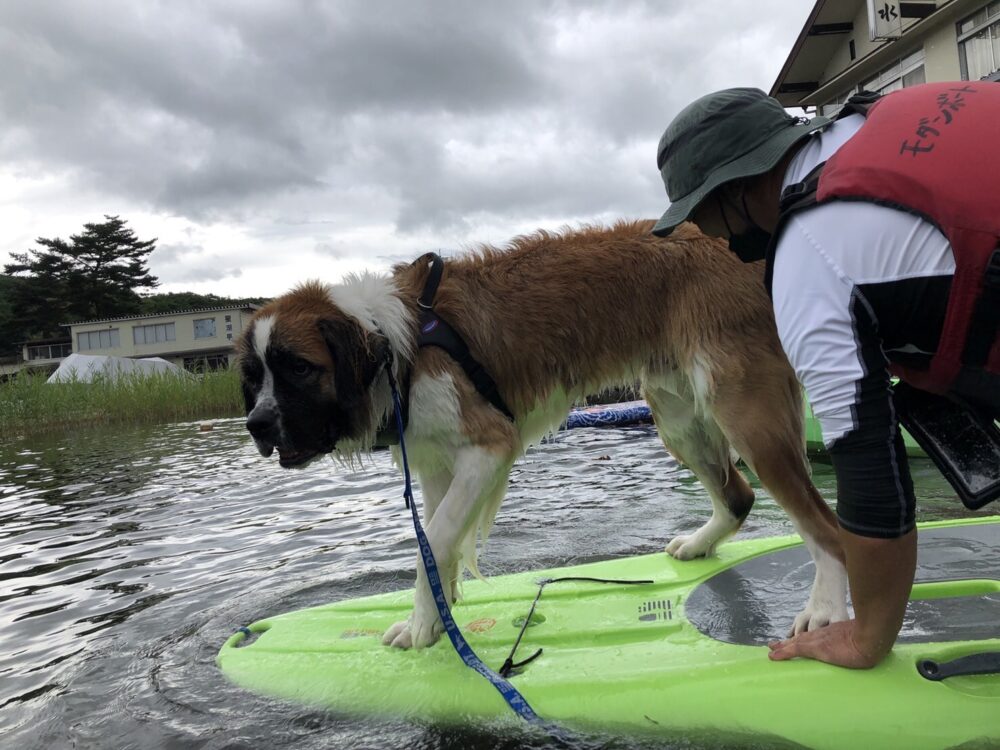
(10, 332)
(97, 274)
(36, 308)
(176, 301)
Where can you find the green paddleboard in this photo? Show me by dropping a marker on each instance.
(814, 437)
(680, 657)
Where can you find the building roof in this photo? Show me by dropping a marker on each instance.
(251, 307)
(821, 36)
(828, 24)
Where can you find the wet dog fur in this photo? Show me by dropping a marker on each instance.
(552, 317)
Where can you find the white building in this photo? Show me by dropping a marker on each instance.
(42, 355)
(197, 340)
(849, 45)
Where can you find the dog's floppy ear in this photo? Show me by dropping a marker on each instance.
(357, 356)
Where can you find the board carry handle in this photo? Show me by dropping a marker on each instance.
(246, 635)
(987, 662)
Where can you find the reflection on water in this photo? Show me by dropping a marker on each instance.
(127, 556)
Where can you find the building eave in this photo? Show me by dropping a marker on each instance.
(797, 47)
(826, 24)
(228, 308)
(44, 342)
(871, 63)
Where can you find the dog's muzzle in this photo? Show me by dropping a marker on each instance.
(262, 423)
(264, 426)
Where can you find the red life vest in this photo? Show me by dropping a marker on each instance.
(932, 150)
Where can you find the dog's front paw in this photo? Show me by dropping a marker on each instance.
(690, 547)
(413, 633)
(827, 600)
(816, 616)
(398, 635)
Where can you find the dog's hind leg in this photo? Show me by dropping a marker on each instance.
(766, 429)
(477, 470)
(694, 439)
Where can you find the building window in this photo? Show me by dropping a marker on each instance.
(154, 334)
(207, 363)
(905, 72)
(107, 339)
(979, 43)
(204, 328)
(830, 109)
(49, 351)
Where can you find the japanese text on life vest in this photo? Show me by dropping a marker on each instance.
(949, 103)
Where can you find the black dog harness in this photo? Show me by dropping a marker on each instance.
(436, 331)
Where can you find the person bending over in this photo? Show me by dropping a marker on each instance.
(880, 233)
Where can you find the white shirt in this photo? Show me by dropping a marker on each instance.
(822, 257)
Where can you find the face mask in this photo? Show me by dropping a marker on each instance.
(750, 245)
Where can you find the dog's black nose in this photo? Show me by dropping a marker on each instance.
(262, 423)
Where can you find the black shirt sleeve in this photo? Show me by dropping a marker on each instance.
(874, 489)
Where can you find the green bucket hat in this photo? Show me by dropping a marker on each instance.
(720, 137)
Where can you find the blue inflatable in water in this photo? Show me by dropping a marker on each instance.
(610, 415)
(638, 412)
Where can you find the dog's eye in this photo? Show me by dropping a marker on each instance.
(301, 368)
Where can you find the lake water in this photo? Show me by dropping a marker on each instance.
(129, 555)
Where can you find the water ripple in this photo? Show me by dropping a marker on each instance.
(127, 556)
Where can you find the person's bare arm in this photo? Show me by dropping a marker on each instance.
(881, 576)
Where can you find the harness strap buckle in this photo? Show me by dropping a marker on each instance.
(792, 192)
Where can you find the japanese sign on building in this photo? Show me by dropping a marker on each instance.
(885, 20)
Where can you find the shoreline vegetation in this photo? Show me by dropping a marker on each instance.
(29, 405)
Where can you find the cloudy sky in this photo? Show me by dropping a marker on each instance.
(264, 142)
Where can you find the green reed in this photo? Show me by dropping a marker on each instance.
(29, 404)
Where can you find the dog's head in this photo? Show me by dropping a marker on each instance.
(307, 370)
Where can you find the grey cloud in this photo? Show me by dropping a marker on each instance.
(206, 269)
(221, 104)
(423, 115)
(168, 253)
(202, 274)
(175, 263)
(332, 249)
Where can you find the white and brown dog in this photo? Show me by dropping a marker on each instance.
(552, 318)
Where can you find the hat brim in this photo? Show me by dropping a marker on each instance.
(756, 162)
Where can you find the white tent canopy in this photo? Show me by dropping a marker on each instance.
(85, 367)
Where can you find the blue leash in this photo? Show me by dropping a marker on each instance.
(510, 694)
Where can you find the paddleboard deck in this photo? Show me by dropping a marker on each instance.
(684, 655)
